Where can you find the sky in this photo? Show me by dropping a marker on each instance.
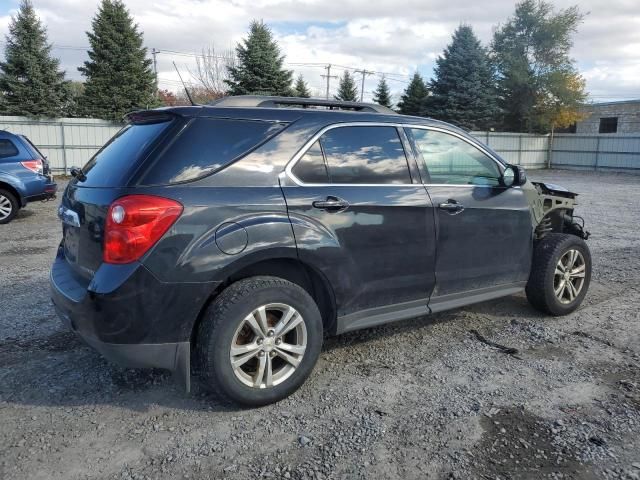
(394, 38)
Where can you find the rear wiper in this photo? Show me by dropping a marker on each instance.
(78, 173)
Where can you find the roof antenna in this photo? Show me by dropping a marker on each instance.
(183, 84)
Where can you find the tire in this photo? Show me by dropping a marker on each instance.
(225, 324)
(9, 202)
(545, 279)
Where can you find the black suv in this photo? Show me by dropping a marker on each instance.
(236, 234)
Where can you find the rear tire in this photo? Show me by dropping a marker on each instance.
(259, 340)
(560, 274)
(9, 206)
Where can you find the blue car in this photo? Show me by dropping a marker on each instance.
(25, 175)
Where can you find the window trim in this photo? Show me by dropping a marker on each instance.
(415, 155)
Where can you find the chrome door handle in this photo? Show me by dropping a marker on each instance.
(331, 204)
(451, 206)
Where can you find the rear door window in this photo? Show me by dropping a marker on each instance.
(111, 166)
(365, 155)
(205, 146)
(7, 148)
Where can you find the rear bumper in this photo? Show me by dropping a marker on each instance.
(128, 315)
(170, 356)
(45, 190)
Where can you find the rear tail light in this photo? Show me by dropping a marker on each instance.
(33, 165)
(134, 224)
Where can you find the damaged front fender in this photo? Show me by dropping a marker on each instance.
(552, 210)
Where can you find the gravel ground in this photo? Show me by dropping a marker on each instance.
(419, 399)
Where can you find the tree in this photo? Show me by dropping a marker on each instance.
(118, 72)
(212, 71)
(167, 98)
(30, 82)
(537, 77)
(301, 89)
(382, 95)
(72, 107)
(463, 89)
(259, 70)
(347, 90)
(412, 100)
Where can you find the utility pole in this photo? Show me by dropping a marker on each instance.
(154, 52)
(328, 76)
(364, 73)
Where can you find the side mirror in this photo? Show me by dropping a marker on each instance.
(514, 176)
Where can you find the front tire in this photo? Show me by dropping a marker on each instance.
(8, 206)
(259, 340)
(560, 274)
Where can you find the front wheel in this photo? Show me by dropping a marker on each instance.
(560, 274)
(259, 340)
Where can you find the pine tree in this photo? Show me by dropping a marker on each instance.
(119, 76)
(411, 101)
(382, 95)
(347, 90)
(301, 89)
(463, 90)
(259, 69)
(538, 83)
(30, 82)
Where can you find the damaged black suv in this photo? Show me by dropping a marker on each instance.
(236, 234)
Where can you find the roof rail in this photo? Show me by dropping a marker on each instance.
(275, 102)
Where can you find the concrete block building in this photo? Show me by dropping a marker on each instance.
(621, 117)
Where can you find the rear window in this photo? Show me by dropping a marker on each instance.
(111, 165)
(207, 145)
(7, 148)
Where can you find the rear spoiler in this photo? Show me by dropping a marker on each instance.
(145, 117)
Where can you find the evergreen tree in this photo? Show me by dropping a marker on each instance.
(463, 91)
(382, 95)
(259, 69)
(301, 89)
(347, 90)
(538, 83)
(411, 101)
(119, 76)
(30, 82)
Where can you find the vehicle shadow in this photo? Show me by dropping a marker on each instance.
(62, 371)
(59, 370)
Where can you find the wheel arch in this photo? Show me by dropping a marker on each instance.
(291, 269)
(10, 188)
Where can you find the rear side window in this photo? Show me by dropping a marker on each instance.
(359, 155)
(7, 148)
(110, 166)
(311, 167)
(207, 145)
(34, 150)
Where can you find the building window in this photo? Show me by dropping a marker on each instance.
(608, 125)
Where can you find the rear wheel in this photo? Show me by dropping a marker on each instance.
(560, 274)
(8, 206)
(259, 340)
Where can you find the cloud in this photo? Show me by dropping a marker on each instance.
(383, 36)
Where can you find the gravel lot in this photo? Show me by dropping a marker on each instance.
(419, 399)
